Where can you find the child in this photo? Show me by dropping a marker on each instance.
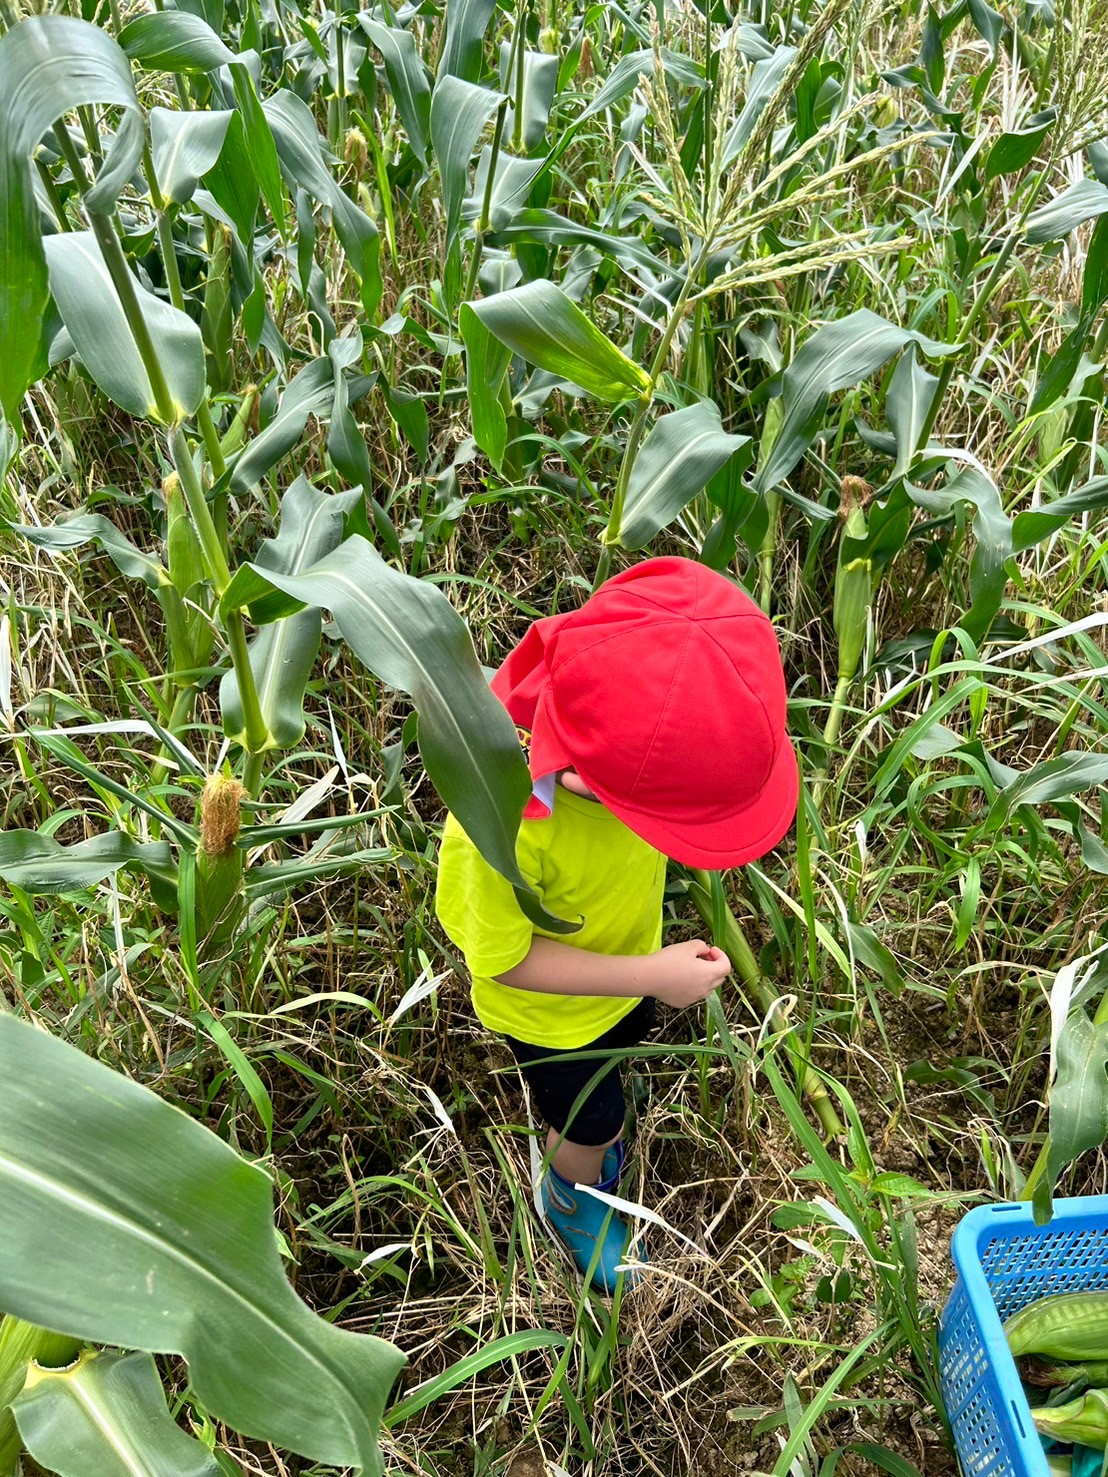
(653, 719)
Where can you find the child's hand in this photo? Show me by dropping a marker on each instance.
(686, 973)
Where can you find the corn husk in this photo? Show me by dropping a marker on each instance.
(219, 862)
(1084, 1420)
(188, 577)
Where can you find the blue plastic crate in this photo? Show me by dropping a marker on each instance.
(1005, 1261)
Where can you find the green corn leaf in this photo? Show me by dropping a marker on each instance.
(542, 325)
(410, 414)
(407, 78)
(487, 361)
(548, 228)
(174, 41)
(1055, 779)
(466, 24)
(459, 112)
(1077, 1100)
(283, 653)
(1014, 151)
(989, 23)
(680, 455)
(62, 747)
(624, 78)
(1057, 371)
(834, 357)
(310, 393)
(106, 1414)
(185, 146)
(408, 634)
(345, 443)
(911, 392)
(511, 186)
(300, 150)
(540, 79)
(93, 528)
(764, 82)
(232, 184)
(41, 865)
(261, 146)
(271, 880)
(1082, 202)
(178, 1253)
(1094, 277)
(1036, 524)
(48, 65)
(992, 532)
(101, 335)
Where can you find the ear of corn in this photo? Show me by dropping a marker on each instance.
(1083, 1421)
(186, 571)
(1070, 1325)
(219, 862)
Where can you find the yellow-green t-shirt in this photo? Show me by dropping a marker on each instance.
(583, 863)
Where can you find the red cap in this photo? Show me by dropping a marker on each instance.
(665, 693)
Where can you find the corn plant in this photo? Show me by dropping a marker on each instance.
(341, 310)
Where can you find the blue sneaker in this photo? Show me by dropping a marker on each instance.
(581, 1221)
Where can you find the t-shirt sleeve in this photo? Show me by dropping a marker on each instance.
(477, 906)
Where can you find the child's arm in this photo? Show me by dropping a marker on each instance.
(679, 974)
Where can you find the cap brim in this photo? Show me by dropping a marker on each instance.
(742, 837)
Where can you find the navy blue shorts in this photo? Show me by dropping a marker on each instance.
(557, 1077)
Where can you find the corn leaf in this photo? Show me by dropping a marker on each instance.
(911, 391)
(510, 188)
(408, 634)
(300, 150)
(1013, 151)
(1077, 1100)
(283, 653)
(260, 145)
(232, 184)
(93, 528)
(345, 443)
(1036, 524)
(98, 326)
(174, 41)
(988, 573)
(1054, 221)
(836, 356)
(106, 1414)
(466, 24)
(39, 864)
(459, 112)
(540, 324)
(764, 82)
(487, 361)
(680, 455)
(540, 78)
(48, 65)
(1055, 779)
(184, 147)
(407, 78)
(310, 393)
(548, 228)
(178, 1253)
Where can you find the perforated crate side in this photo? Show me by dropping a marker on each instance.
(983, 1435)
